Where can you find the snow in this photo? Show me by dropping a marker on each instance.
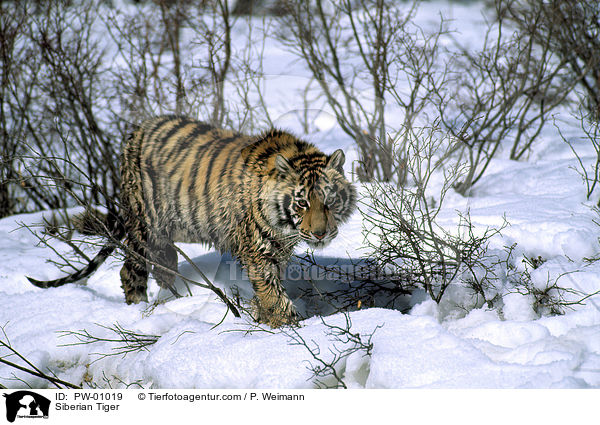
(201, 345)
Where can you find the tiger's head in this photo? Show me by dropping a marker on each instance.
(312, 196)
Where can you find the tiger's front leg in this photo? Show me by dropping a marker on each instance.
(271, 305)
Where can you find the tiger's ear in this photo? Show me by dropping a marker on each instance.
(283, 166)
(336, 160)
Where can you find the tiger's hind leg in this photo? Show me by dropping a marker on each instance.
(144, 249)
(164, 257)
(134, 273)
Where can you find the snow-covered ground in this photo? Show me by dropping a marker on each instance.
(429, 345)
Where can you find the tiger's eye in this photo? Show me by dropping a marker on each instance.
(302, 203)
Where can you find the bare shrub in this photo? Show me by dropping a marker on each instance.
(51, 98)
(505, 94)
(365, 55)
(328, 368)
(124, 341)
(20, 363)
(591, 131)
(174, 57)
(59, 112)
(403, 231)
(571, 31)
(13, 60)
(550, 296)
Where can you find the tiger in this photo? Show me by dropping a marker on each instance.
(255, 197)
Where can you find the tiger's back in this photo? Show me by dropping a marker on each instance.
(190, 177)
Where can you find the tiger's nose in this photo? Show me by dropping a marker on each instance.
(318, 234)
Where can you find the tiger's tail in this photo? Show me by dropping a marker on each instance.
(79, 274)
(117, 231)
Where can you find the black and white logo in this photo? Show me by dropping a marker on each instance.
(26, 404)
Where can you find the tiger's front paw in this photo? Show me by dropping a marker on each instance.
(276, 315)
